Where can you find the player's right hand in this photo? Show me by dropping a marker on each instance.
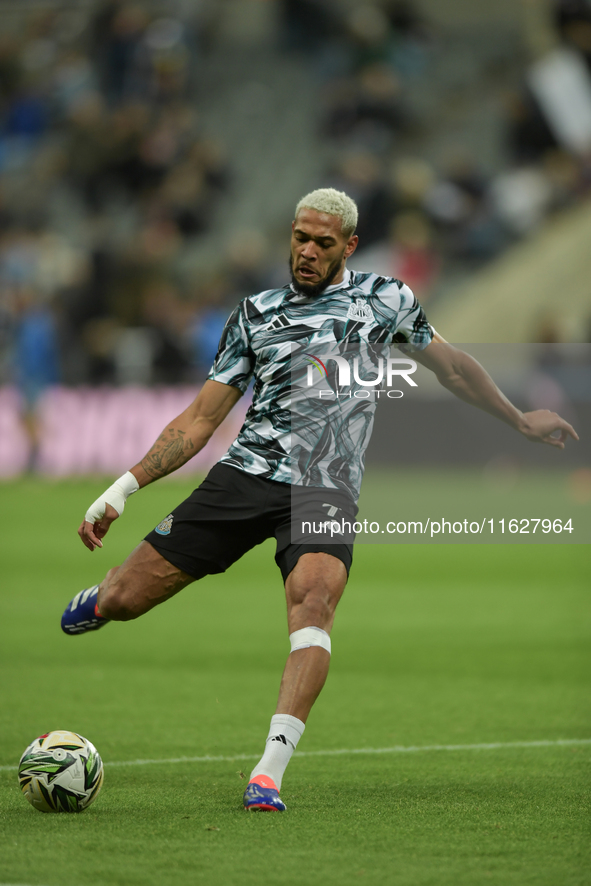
(105, 509)
(92, 533)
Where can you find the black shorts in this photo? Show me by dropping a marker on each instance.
(230, 513)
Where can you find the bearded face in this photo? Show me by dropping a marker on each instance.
(319, 251)
(312, 289)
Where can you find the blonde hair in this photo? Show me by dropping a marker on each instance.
(333, 203)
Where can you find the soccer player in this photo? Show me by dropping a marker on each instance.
(246, 498)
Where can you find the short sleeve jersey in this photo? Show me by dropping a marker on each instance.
(260, 339)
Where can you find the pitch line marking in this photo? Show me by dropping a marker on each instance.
(340, 752)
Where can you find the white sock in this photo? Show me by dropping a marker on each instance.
(284, 734)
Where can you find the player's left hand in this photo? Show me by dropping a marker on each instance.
(543, 426)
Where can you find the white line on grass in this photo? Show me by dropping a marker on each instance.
(399, 749)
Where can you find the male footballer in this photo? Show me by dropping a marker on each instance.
(246, 497)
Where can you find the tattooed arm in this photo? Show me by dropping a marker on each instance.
(187, 434)
(183, 438)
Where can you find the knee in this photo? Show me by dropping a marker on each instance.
(111, 574)
(114, 599)
(315, 602)
(321, 604)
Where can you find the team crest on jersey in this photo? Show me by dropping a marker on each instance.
(360, 311)
(165, 526)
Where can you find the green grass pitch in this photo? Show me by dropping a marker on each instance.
(433, 646)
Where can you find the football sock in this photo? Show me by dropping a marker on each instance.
(284, 734)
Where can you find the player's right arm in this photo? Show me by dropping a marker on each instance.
(183, 438)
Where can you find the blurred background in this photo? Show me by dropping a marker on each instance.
(152, 152)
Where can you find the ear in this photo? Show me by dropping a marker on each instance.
(351, 245)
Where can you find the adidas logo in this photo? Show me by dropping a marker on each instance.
(360, 311)
(279, 322)
(279, 738)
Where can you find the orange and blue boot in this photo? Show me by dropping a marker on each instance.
(262, 794)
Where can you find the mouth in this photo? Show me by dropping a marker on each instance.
(307, 273)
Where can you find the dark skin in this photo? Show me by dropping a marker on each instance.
(319, 249)
(319, 252)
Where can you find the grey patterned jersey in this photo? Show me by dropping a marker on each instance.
(314, 443)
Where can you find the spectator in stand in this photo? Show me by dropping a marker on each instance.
(205, 333)
(166, 315)
(27, 114)
(528, 133)
(307, 25)
(116, 34)
(361, 175)
(35, 360)
(573, 22)
(367, 109)
(408, 254)
(459, 204)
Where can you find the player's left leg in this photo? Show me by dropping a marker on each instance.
(313, 590)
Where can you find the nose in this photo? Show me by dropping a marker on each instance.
(309, 251)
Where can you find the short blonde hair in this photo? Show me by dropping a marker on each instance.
(333, 203)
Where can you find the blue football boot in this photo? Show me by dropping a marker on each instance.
(262, 794)
(81, 614)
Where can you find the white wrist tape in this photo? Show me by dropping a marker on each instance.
(116, 496)
(309, 637)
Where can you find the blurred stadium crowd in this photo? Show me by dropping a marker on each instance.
(112, 183)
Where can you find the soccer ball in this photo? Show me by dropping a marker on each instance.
(60, 772)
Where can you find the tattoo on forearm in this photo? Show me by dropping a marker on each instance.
(171, 450)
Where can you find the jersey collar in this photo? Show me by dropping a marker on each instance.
(344, 284)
